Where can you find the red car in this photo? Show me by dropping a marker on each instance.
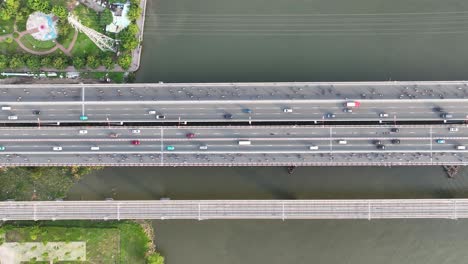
(190, 135)
(135, 142)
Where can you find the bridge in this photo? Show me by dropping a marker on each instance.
(235, 124)
(235, 209)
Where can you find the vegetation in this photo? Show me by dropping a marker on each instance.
(40, 183)
(84, 53)
(106, 242)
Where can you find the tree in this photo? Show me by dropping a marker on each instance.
(108, 62)
(60, 11)
(105, 18)
(125, 61)
(16, 62)
(132, 29)
(33, 63)
(39, 5)
(60, 63)
(3, 62)
(46, 62)
(92, 62)
(134, 13)
(9, 8)
(79, 62)
(155, 258)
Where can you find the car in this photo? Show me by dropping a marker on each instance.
(83, 131)
(135, 142)
(203, 147)
(377, 142)
(383, 115)
(314, 147)
(151, 112)
(113, 135)
(287, 110)
(136, 131)
(394, 130)
(57, 148)
(395, 141)
(2, 148)
(170, 148)
(36, 112)
(83, 118)
(347, 110)
(227, 116)
(330, 115)
(440, 141)
(460, 147)
(437, 109)
(381, 147)
(12, 117)
(352, 104)
(446, 115)
(190, 135)
(453, 129)
(342, 142)
(160, 117)
(95, 148)
(247, 110)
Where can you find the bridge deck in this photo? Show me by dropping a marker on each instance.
(236, 209)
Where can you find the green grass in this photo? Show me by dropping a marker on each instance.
(116, 77)
(88, 17)
(9, 48)
(34, 44)
(106, 242)
(6, 26)
(67, 39)
(84, 46)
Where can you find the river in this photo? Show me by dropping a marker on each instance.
(299, 40)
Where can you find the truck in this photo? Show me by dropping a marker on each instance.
(352, 104)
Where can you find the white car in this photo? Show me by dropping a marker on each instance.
(383, 115)
(453, 129)
(83, 131)
(313, 147)
(136, 131)
(57, 148)
(204, 147)
(12, 117)
(152, 112)
(287, 110)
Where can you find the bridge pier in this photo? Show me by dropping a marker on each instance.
(452, 170)
(291, 169)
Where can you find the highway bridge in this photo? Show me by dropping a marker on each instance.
(234, 145)
(235, 209)
(234, 102)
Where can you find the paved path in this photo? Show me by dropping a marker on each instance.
(236, 209)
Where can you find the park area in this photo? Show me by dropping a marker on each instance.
(76, 242)
(57, 34)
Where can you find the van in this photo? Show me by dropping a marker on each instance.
(313, 147)
(342, 142)
(57, 148)
(12, 117)
(244, 142)
(461, 147)
(94, 148)
(203, 147)
(6, 107)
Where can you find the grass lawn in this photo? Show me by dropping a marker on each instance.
(6, 26)
(88, 17)
(106, 242)
(9, 48)
(34, 44)
(117, 77)
(65, 41)
(84, 46)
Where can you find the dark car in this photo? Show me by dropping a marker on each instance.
(330, 115)
(247, 110)
(446, 115)
(395, 130)
(227, 116)
(36, 112)
(437, 109)
(381, 147)
(377, 142)
(190, 135)
(395, 141)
